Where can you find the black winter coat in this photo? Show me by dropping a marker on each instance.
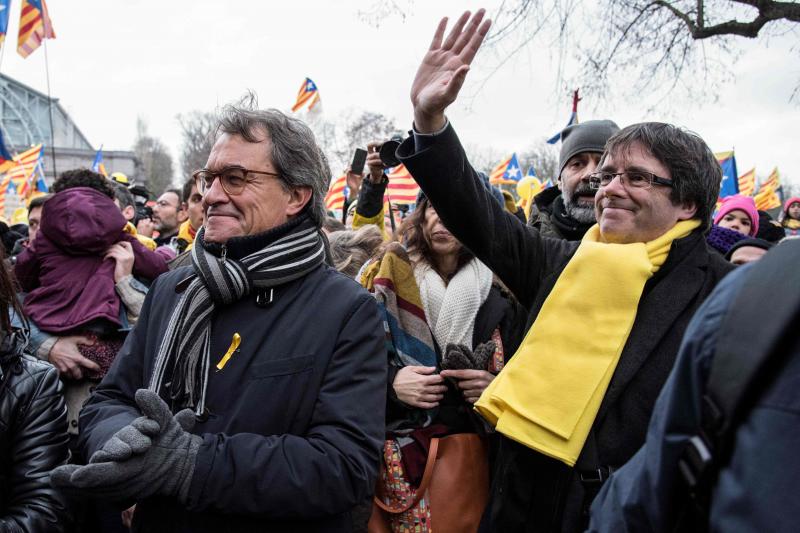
(549, 216)
(296, 419)
(532, 492)
(33, 441)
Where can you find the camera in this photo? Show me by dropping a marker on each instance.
(388, 149)
(141, 195)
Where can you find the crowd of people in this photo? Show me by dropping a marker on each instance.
(623, 358)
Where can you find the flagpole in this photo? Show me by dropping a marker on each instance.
(50, 108)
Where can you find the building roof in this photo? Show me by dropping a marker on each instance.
(25, 118)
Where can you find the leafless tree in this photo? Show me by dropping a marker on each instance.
(197, 131)
(544, 159)
(638, 47)
(341, 135)
(153, 162)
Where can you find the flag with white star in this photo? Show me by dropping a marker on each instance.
(508, 171)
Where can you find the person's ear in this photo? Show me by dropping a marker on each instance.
(183, 213)
(298, 198)
(687, 211)
(129, 212)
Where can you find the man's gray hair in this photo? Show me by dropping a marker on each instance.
(696, 174)
(295, 154)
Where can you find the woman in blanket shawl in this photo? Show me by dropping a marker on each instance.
(450, 329)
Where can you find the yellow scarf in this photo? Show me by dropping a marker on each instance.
(187, 233)
(548, 395)
(791, 223)
(147, 242)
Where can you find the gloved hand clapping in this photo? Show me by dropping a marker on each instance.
(154, 455)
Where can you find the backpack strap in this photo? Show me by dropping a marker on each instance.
(747, 347)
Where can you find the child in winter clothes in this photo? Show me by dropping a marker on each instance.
(790, 218)
(68, 272)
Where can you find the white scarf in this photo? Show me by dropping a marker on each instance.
(451, 309)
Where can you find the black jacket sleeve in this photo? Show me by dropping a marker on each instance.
(39, 443)
(516, 253)
(370, 198)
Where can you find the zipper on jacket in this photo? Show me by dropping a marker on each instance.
(224, 253)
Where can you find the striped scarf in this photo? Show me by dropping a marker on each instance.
(183, 360)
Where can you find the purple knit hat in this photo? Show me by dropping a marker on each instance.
(743, 203)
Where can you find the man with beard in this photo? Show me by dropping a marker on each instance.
(168, 214)
(567, 212)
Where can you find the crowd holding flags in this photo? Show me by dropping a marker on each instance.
(766, 196)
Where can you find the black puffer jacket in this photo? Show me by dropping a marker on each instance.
(33, 441)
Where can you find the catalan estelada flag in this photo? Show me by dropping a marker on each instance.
(5, 7)
(402, 188)
(573, 118)
(34, 26)
(508, 171)
(23, 171)
(98, 165)
(747, 182)
(767, 196)
(307, 95)
(337, 193)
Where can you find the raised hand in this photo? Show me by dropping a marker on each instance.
(444, 68)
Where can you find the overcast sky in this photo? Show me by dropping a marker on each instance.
(114, 60)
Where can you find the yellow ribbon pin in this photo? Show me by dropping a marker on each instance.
(237, 339)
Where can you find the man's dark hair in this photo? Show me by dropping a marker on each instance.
(696, 174)
(39, 201)
(123, 196)
(83, 177)
(187, 190)
(294, 151)
(176, 192)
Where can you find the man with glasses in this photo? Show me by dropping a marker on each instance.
(606, 314)
(168, 214)
(567, 211)
(238, 402)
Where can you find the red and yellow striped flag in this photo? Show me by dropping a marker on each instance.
(747, 182)
(402, 188)
(334, 200)
(4, 183)
(767, 195)
(34, 26)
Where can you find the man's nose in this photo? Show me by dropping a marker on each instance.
(615, 187)
(591, 166)
(215, 194)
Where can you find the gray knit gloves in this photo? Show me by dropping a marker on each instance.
(459, 357)
(154, 455)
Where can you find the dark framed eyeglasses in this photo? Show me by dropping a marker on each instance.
(232, 179)
(633, 179)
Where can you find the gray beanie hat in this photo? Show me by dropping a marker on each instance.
(589, 136)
